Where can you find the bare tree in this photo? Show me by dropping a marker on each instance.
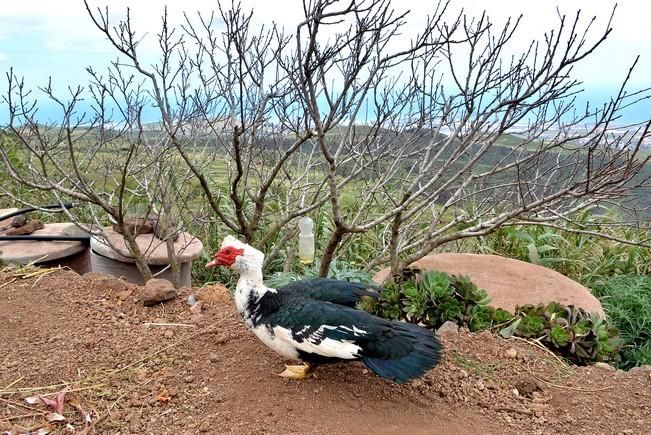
(404, 140)
(102, 156)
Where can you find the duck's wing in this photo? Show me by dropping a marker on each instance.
(331, 290)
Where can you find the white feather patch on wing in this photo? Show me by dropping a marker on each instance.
(315, 343)
(275, 343)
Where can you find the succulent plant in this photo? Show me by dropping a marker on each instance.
(432, 298)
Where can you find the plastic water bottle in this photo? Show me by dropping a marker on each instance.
(306, 240)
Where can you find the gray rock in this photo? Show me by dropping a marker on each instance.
(157, 291)
(448, 328)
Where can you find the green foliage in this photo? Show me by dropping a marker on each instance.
(571, 332)
(433, 298)
(436, 297)
(338, 270)
(627, 300)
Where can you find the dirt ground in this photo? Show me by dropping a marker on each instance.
(167, 370)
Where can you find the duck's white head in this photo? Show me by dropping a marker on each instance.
(238, 256)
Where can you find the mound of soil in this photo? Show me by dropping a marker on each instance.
(168, 370)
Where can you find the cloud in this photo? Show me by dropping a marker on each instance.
(3, 57)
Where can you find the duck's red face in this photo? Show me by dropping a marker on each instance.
(225, 256)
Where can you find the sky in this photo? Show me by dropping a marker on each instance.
(45, 38)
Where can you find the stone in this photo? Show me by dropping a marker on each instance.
(510, 282)
(136, 226)
(19, 221)
(107, 282)
(28, 228)
(511, 353)
(213, 358)
(196, 308)
(124, 295)
(157, 291)
(605, 366)
(641, 369)
(448, 328)
(214, 294)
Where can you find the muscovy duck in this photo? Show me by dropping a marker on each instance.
(315, 321)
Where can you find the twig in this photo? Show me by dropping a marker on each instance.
(49, 387)
(112, 405)
(12, 384)
(168, 324)
(163, 349)
(567, 387)
(16, 417)
(510, 409)
(540, 346)
(91, 426)
(10, 402)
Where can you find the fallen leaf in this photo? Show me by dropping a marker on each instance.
(57, 403)
(33, 400)
(54, 416)
(163, 396)
(85, 414)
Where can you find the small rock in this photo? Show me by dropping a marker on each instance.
(448, 328)
(189, 379)
(640, 369)
(157, 291)
(196, 308)
(511, 353)
(464, 374)
(605, 366)
(515, 392)
(168, 334)
(214, 294)
(123, 295)
(508, 419)
(627, 432)
(192, 299)
(213, 358)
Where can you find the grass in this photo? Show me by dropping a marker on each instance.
(627, 300)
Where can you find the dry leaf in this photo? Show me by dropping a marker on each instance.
(54, 416)
(33, 400)
(56, 404)
(163, 396)
(85, 414)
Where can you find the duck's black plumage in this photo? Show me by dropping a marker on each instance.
(319, 318)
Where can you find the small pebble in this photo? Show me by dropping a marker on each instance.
(512, 353)
(192, 299)
(213, 358)
(189, 379)
(168, 334)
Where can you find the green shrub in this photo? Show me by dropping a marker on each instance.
(338, 270)
(627, 301)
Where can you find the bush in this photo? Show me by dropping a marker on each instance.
(432, 298)
(627, 300)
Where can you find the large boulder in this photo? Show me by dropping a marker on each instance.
(510, 282)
